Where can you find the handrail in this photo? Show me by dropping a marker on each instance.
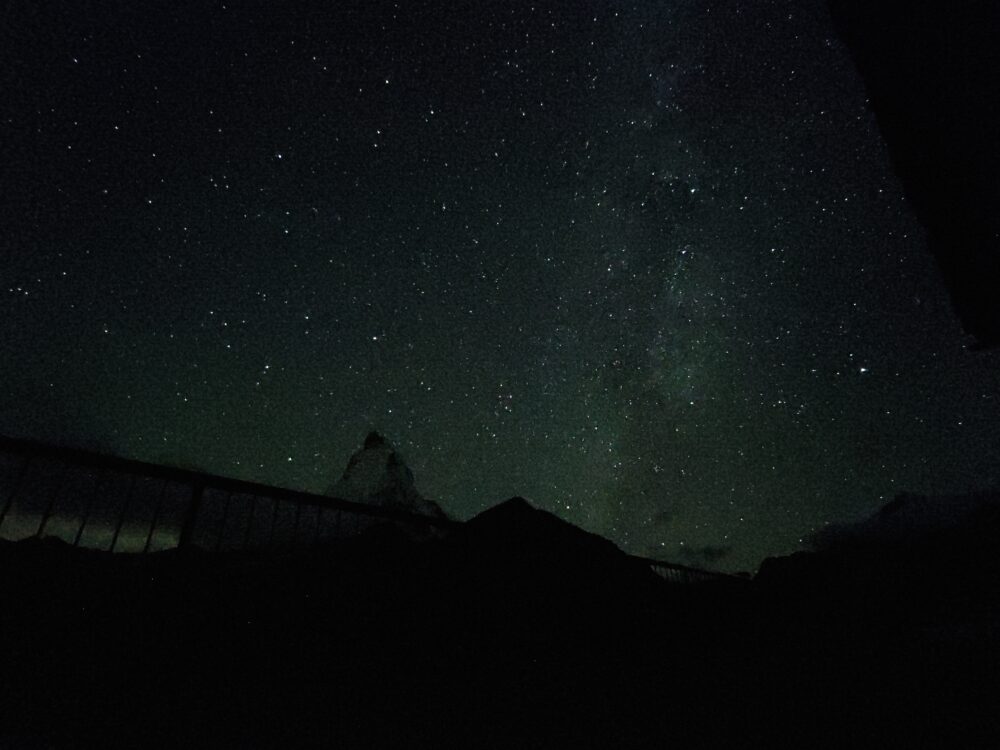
(197, 483)
(686, 570)
(215, 481)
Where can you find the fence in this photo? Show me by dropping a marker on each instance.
(101, 502)
(118, 505)
(681, 574)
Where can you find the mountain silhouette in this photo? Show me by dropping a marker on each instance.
(377, 475)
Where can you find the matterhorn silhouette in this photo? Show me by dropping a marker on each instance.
(377, 475)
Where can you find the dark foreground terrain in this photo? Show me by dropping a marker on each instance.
(516, 631)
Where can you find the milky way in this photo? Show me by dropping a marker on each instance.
(646, 265)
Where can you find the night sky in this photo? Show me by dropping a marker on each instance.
(645, 264)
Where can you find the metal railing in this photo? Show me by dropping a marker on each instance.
(682, 574)
(113, 504)
(102, 502)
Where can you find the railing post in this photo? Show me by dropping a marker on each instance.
(98, 478)
(121, 518)
(13, 491)
(156, 516)
(246, 534)
(191, 517)
(274, 522)
(50, 506)
(319, 524)
(225, 520)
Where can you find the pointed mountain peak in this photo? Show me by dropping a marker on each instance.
(374, 440)
(518, 519)
(377, 475)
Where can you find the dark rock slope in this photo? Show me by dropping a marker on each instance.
(517, 630)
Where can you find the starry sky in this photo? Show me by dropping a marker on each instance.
(643, 263)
